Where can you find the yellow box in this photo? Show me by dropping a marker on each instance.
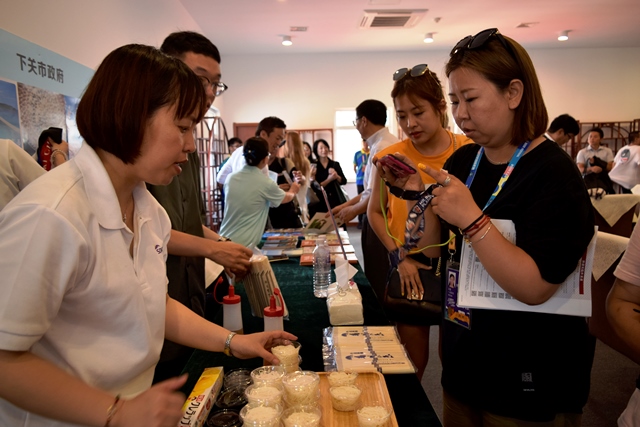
(202, 398)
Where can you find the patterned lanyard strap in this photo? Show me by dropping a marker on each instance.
(505, 176)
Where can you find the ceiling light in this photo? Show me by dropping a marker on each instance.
(564, 36)
(428, 38)
(286, 41)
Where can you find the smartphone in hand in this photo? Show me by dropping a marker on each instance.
(397, 166)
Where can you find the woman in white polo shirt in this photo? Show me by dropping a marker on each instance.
(82, 254)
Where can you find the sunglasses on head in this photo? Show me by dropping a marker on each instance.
(479, 40)
(416, 71)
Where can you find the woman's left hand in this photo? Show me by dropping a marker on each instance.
(453, 201)
(259, 344)
(410, 282)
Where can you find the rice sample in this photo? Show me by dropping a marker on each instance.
(302, 419)
(373, 416)
(340, 378)
(301, 388)
(264, 394)
(345, 398)
(263, 416)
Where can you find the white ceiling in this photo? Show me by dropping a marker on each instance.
(241, 27)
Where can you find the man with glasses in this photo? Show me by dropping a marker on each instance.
(371, 118)
(190, 240)
(562, 129)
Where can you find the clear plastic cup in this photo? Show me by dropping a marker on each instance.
(374, 414)
(237, 378)
(268, 375)
(301, 388)
(340, 378)
(259, 415)
(345, 397)
(224, 418)
(287, 354)
(264, 393)
(292, 367)
(302, 416)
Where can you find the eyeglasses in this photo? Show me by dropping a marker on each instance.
(416, 71)
(479, 40)
(355, 122)
(218, 88)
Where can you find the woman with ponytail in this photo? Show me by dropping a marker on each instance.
(249, 194)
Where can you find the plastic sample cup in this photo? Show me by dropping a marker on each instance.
(266, 394)
(268, 375)
(339, 378)
(374, 414)
(345, 397)
(259, 415)
(301, 388)
(302, 416)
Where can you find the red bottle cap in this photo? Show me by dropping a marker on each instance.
(273, 310)
(232, 298)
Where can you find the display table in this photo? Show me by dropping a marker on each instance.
(308, 316)
(614, 213)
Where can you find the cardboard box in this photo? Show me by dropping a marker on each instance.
(202, 398)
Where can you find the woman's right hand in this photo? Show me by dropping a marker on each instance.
(407, 182)
(160, 406)
(410, 283)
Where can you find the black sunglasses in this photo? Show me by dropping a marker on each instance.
(479, 40)
(416, 71)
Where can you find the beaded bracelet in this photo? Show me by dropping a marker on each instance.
(111, 412)
(464, 230)
(470, 231)
(476, 229)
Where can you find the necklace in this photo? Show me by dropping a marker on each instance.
(124, 212)
(494, 163)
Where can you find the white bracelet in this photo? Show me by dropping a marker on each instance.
(54, 152)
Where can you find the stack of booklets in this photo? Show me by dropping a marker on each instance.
(280, 242)
(364, 349)
(309, 244)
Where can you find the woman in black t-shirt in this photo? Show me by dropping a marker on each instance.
(504, 367)
(329, 175)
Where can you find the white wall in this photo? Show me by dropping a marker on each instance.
(305, 90)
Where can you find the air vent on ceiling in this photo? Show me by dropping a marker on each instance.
(392, 18)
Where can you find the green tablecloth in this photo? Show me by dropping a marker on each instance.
(308, 316)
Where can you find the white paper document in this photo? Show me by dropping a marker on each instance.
(479, 290)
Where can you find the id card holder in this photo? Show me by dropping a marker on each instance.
(459, 315)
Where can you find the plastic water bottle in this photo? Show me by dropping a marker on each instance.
(321, 268)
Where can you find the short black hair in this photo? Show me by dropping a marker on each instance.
(114, 110)
(268, 124)
(317, 143)
(178, 43)
(234, 140)
(596, 129)
(255, 150)
(375, 111)
(566, 123)
(633, 135)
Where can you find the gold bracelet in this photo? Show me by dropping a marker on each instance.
(111, 412)
(484, 235)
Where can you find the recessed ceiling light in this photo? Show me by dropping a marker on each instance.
(286, 41)
(428, 38)
(564, 36)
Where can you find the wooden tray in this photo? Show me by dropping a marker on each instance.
(373, 388)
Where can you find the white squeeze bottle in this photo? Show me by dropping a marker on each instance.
(321, 267)
(273, 315)
(231, 311)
